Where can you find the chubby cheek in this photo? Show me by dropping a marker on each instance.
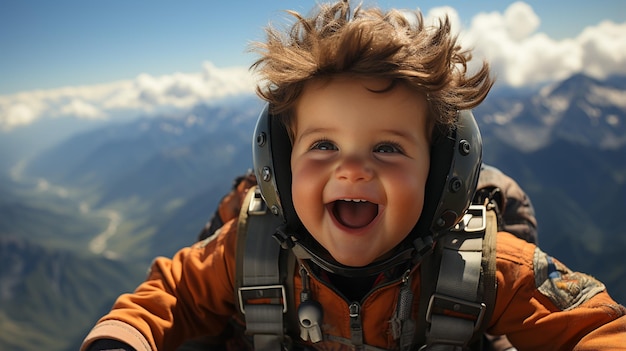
(405, 203)
(307, 189)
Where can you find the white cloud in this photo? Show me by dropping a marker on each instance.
(81, 109)
(145, 93)
(520, 20)
(521, 56)
(603, 49)
(18, 114)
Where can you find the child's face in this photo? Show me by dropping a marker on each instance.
(359, 164)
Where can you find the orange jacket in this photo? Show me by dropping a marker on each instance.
(192, 295)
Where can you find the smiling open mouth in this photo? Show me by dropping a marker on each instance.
(354, 213)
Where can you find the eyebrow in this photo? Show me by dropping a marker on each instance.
(312, 131)
(398, 133)
(320, 130)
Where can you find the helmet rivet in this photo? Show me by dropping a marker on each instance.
(266, 174)
(464, 147)
(261, 139)
(440, 222)
(455, 184)
(274, 210)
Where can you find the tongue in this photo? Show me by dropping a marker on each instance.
(355, 214)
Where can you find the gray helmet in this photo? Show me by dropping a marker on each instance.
(454, 168)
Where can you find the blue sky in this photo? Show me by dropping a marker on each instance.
(91, 59)
(48, 44)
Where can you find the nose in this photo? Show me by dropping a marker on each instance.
(354, 169)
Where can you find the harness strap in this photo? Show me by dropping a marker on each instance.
(451, 314)
(489, 283)
(262, 297)
(456, 309)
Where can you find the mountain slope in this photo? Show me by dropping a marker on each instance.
(580, 109)
(566, 146)
(162, 152)
(578, 197)
(48, 298)
(47, 215)
(146, 169)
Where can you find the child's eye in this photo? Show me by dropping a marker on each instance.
(388, 148)
(324, 145)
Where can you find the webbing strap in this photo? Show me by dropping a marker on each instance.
(456, 309)
(489, 283)
(260, 293)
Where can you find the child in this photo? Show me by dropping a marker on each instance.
(367, 98)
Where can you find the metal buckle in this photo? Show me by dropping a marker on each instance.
(260, 292)
(439, 303)
(257, 205)
(474, 220)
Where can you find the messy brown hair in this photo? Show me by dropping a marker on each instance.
(395, 45)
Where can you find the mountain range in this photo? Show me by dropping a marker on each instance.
(82, 216)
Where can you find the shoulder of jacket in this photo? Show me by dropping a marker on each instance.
(226, 234)
(515, 250)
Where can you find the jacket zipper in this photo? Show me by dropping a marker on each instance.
(354, 307)
(356, 327)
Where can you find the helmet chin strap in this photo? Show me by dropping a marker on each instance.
(311, 250)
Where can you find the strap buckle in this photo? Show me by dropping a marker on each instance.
(271, 292)
(257, 206)
(452, 306)
(474, 220)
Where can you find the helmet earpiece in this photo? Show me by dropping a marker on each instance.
(454, 168)
(271, 153)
